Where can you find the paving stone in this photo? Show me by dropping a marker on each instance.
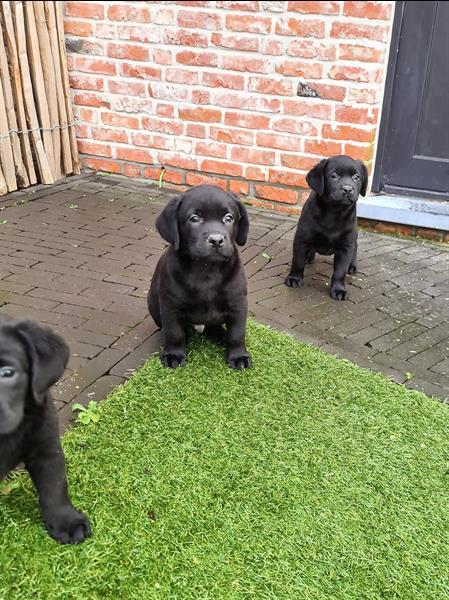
(255, 297)
(351, 323)
(96, 368)
(431, 356)
(45, 316)
(442, 367)
(74, 299)
(273, 318)
(397, 336)
(389, 324)
(422, 342)
(364, 336)
(22, 300)
(254, 286)
(138, 334)
(135, 359)
(429, 388)
(438, 290)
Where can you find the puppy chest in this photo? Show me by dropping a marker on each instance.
(206, 317)
(206, 312)
(206, 305)
(328, 243)
(325, 244)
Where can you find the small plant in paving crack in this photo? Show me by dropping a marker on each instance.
(87, 414)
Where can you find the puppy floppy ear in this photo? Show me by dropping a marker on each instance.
(167, 222)
(243, 224)
(47, 353)
(315, 177)
(364, 175)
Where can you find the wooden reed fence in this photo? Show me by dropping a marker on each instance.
(37, 133)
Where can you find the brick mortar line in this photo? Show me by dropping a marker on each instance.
(273, 15)
(327, 39)
(159, 165)
(187, 104)
(225, 51)
(277, 116)
(340, 17)
(245, 111)
(219, 70)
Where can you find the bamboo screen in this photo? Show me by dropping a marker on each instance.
(37, 134)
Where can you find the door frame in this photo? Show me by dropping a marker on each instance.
(376, 185)
(388, 94)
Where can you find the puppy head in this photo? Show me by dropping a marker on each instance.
(32, 359)
(339, 179)
(204, 223)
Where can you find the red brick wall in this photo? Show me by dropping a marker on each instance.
(209, 90)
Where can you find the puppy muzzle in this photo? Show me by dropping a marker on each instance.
(10, 418)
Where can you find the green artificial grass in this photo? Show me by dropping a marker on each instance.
(304, 477)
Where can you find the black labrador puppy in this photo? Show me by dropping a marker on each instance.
(328, 221)
(199, 280)
(32, 359)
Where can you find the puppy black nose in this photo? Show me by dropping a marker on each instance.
(215, 239)
(348, 190)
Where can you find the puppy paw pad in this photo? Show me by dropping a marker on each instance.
(293, 281)
(339, 294)
(70, 530)
(239, 363)
(173, 361)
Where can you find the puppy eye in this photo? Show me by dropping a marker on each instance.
(7, 372)
(228, 218)
(335, 175)
(194, 219)
(356, 176)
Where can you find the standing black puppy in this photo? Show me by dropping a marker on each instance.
(328, 221)
(32, 359)
(199, 280)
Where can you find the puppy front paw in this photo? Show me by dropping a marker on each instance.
(293, 281)
(338, 292)
(68, 526)
(352, 268)
(172, 360)
(239, 360)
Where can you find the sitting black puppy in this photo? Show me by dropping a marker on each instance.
(328, 221)
(199, 280)
(32, 359)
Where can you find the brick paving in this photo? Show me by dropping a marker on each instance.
(79, 256)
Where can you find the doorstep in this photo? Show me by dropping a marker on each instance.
(415, 212)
